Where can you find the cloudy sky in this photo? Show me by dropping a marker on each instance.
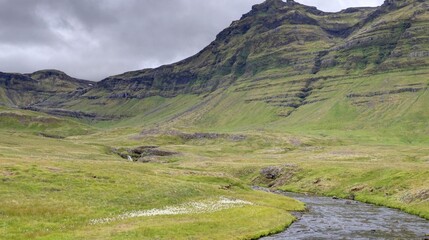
(93, 39)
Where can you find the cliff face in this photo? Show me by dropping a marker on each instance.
(29, 89)
(284, 57)
(295, 38)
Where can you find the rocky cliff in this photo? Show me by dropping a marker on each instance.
(286, 59)
(31, 89)
(295, 38)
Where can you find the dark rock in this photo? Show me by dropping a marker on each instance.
(47, 135)
(396, 91)
(194, 136)
(351, 196)
(226, 187)
(73, 114)
(143, 153)
(272, 172)
(199, 136)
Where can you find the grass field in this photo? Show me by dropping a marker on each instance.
(53, 188)
(58, 176)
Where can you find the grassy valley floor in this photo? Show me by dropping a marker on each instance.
(63, 188)
(55, 189)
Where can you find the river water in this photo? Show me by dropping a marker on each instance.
(330, 218)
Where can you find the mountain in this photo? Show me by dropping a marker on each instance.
(283, 65)
(34, 88)
(296, 38)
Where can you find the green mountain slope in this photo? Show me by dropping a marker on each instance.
(287, 66)
(283, 66)
(14, 121)
(295, 39)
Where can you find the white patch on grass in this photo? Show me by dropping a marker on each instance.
(187, 208)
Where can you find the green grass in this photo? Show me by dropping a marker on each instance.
(53, 185)
(52, 189)
(57, 174)
(395, 185)
(42, 124)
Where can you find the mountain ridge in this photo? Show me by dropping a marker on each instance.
(241, 27)
(32, 88)
(281, 64)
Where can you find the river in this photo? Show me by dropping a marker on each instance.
(329, 218)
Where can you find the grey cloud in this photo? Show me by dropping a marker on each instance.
(93, 39)
(337, 5)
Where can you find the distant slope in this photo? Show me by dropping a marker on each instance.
(13, 120)
(30, 89)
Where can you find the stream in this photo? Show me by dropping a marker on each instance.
(329, 218)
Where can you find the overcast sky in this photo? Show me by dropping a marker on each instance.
(93, 39)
